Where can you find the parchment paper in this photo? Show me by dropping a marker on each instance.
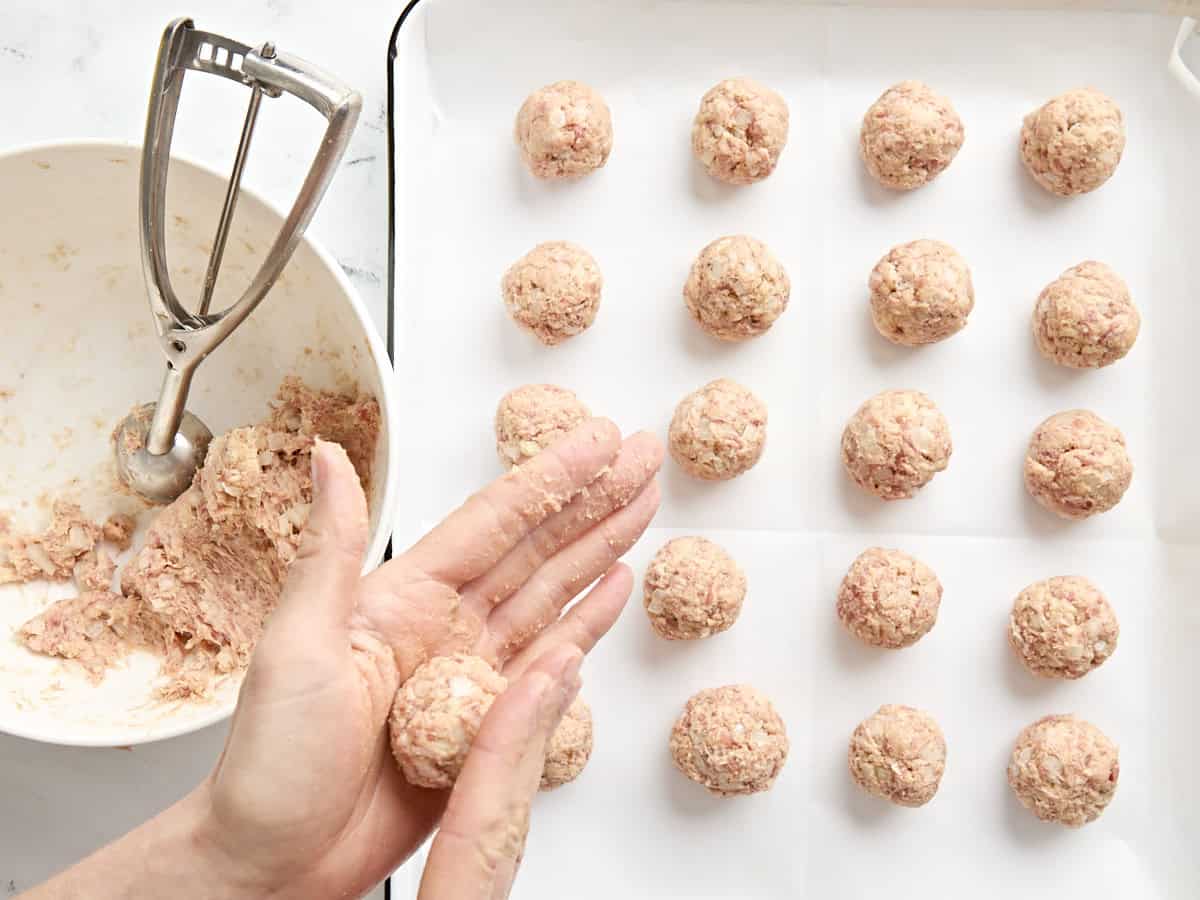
(631, 826)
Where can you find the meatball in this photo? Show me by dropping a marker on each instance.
(737, 288)
(921, 292)
(1064, 770)
(1073, 143)
(1062, 627)
(1077, 465)
(888, 598)
(895, 443)
(740, 130)
(1086, 319)
(730, 740)
(899, 754)
(437, 714)
(532, 417)
(719, 431)
(553, 291)
(693, 589)
(909, 136)
(570, 746)
(564, 130)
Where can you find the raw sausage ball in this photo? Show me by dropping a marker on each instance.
(1085, 318)
(921, 292)
(570, 746)
(895, 443)
(1062, 627)
(719, 431)
(888, 598)
(437, 714)
(1073, 143)
(553, 291)
(909, 136)
(1064, 770)
(730, 740)
(564, 130)
(1077, 464)
(532, 417)
(693, 589)
(740, 130)
(899, 754)
(736, 288)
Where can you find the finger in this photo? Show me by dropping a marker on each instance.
(482, 835)
(639, 459)
(479, 533)
(583, 625)
(322, 582)
(514, 622)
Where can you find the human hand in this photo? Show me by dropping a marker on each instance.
(306, 799)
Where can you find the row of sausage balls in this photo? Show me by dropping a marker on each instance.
(1076, 465)
(1070, 145)
(921, 292)
(732, 741)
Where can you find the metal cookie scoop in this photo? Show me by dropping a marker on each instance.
(159, 446)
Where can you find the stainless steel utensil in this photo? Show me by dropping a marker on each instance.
(159, 446)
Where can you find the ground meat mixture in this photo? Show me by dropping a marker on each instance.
(53, 553)
(693, 589)
(1064, 770)
(1063, 627)
(1085, 318)
(532, 417)
(569, 748)
(909, 136)
(895, 443)
(1077, 464)
(898, 754)
(740, 130)
(921, 293)
(736, 288)
(352, 419)
(719, 431)
(118, 530)
(199, 590)
(1074, 142)
(730, 740)
(95, 570)
(95, 629)
(888, 598)
(436, 715)
(553, 291)
(564, 130)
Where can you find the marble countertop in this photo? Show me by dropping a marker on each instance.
(81, 69)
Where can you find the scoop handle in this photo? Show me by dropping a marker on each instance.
(1187, 29)
(186, 338)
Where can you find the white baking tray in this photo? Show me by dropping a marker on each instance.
(464, 209)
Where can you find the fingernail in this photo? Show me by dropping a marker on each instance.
(570, 671)
(570, 681)
(315, 466)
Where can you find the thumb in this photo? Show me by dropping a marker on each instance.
(322, 582)
(476, 853)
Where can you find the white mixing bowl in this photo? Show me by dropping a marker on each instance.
(77, 350)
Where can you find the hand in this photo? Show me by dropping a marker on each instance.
(306, 799)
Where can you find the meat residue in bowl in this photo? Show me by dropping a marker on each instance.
(199, 590)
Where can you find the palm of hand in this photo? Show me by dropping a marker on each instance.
(492, 579)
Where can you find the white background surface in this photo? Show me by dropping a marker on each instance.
(81, 68)
(631, 826)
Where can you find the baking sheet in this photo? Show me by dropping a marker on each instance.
(465, 209)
